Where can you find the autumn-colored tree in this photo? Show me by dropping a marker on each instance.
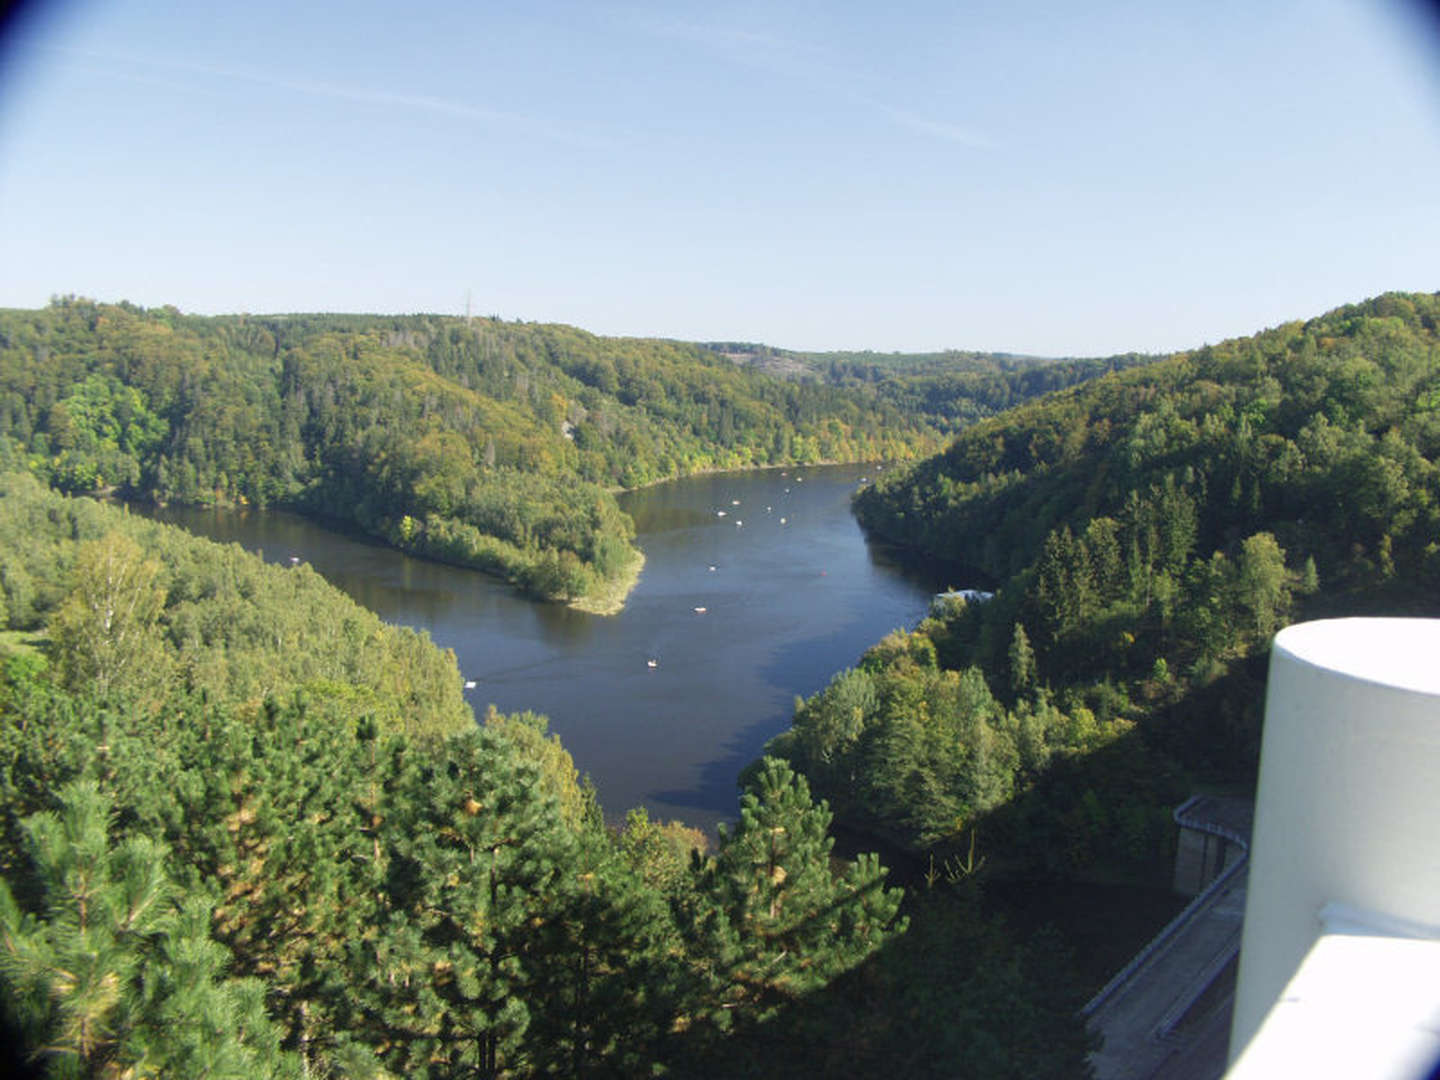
(106, 634)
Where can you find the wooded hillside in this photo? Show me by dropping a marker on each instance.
(1147, 532)
(474, 441)
(478, 442)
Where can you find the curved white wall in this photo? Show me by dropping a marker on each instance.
(1346, 810)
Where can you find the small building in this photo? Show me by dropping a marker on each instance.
(941, 600)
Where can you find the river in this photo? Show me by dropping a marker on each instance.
(791, 590)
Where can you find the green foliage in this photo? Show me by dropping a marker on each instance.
(661, 854)
(400, 894)
(143, 609)
(950, 390)
(1022, 662)
(559, 780)
(479, 442)
(609, 971)
(472, 857)
(781, 923)
(905, 747)
(1149, 532)
(1316, 432)
(426, 910)
(484, 443)
(107, 633)
(112, 972)
(389, 899)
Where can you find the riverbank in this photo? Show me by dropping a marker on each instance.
(611, 599)
(798, 466)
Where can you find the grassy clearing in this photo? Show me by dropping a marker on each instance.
(21, 642)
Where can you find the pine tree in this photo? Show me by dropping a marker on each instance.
(777, 921)
(112, 973)
(475, 856)
(275, 814)
(607, 975)
(558, 776)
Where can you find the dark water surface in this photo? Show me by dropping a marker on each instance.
(795, 595)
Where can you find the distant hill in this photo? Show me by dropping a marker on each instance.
(476, 441)
(948, 389)
(480, 442)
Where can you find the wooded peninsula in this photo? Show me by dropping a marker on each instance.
(477, 442)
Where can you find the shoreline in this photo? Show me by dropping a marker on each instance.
(611, 599)
(711, 470)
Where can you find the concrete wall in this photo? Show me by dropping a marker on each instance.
(1199, 859)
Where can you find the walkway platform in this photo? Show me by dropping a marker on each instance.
(1166, 1015)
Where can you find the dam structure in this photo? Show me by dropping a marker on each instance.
(1312, 944)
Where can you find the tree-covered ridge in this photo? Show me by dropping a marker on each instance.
(949, 390)
(475, 441)
(134, 606)
(1148, 533)
(1331, 422)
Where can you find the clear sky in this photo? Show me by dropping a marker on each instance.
(1056, 178)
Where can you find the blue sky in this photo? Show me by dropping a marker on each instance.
(1048, 178)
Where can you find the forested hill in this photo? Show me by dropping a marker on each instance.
(1324, 433)
(481, 442)
(948, 389)
(1147, 533)
(476, 441)
(127, 607)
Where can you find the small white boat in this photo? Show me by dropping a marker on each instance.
(738, 524)
(469, 684)
(652, 663)
(719, 513)
(699, 611)
(782, 521)
(294, 559)
(711, 569)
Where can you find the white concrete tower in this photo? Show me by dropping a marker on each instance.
(1345, 859)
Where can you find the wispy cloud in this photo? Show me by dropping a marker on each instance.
(936, 129)
(810, 64)
(387, 98)
(359, 95)
(752, 48)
